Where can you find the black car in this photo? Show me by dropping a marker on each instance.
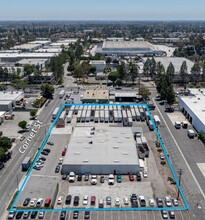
(75, 214)
(76, 201)
(159, 202)
(87, 215)
(44, 153)
(34, 214)
(68, 199)
(79, 178)
(1, 165)
(42, 158)
(63, 215)
(64, 177)
(102, 179)
(86, 177)
(138, 175)
(134, 203)
(47, 150)
(26, 215)
(26, 201)
(19, 215)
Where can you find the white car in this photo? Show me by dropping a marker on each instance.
(85, 199)
(60, 161)
(168, 201)
(41, 215)
(117, 201)
(162, 157)
(60, 200)
(33, 202)
(71, 177)
(39, 202)
(93, 180)
(151, 202)
(145, 174)
(175, 202)
(126, 201)
(111, 179)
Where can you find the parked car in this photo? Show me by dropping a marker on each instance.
(87, 215)
(102, 179)
(164, 214)
(63, 215)
(168, 201)
(131, 177)
(86, 177)
(39, 202)
(19, 215)
(26, 215)
(79, 178)
(50, 143)
(133, 200)
(75, 214)
(76, 201)
(126, 201)
(175, 202)
(33, 202)
(117, 201)
(119, 178)
(64, 177)
(42, 158)
(26, 201)
(92, 200)
(60, 200)
(159, 202)
(47, 202)
(60, 161)
(93, 180)
(145, 174)
(151, 202)
(142, 201)
(138, 176)
(11, 215)
(71, 177)
(44, 153)
(68, 199)
(41, 215)
(85, 199)
(57, 169)
(172, 214)
(111, 179)
(101, 203)
(108, 200)
(47, 150)
(33, 214)
(162, 157)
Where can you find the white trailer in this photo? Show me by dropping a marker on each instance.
(124, 118)
(81, 107)
(106, 116)
(106, 108)
(79, 115)
(96, 116)
(191, 133)
(145, 146)
(119, 116)
(69, 116)
(102, 107)
(139, 141)
(137, 113)
(102, 116)
(133, 114)
(116, 118)
(88, 113)
(151, 126)
(156, 120)
(93, 107)
(97, 107)
(130, 122)
(83, 117)
(55, 112)
(142, 113)
(61, 94)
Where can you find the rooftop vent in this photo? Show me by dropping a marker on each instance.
(92, 133)
(116, 161)
(79, 141)
(119, 141)
(125, 153)
(76, 153)
(116, 147)
(87, 147)
(85, 161)
(90, 142)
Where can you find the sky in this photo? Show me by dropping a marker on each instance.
(102, 9)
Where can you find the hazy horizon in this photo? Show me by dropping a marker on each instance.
(107, 10)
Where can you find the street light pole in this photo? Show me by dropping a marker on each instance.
(180, 174)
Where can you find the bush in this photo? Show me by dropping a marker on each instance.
(201, 135)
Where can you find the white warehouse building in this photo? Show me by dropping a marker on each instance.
(101, 150)
(193, 107)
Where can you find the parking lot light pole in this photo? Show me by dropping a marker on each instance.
(180, 174)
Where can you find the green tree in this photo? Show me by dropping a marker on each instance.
(113, 76)
(134, 71)
(93, 69)
(196, 71)
(170, 72)
(147, 67)
(22, 124)
(33, 112)
(47, 91)
(203, 72)
(160, 69)
(5, 143)
(2, 152)
(107, 71)
(28, 69)
(122, 70)
(184, 73)
(144, 92)
(118, 82)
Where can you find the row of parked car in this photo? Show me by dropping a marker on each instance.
(26, 215)
(34, 202)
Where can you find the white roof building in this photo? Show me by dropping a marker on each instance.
(193, 107)
(103, 150)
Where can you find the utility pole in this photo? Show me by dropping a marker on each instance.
(180, 174)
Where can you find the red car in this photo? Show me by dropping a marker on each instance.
(64, 152)
(131, 176)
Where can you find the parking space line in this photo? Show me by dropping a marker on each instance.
(182, 215)
(39, 175)
(153, 215)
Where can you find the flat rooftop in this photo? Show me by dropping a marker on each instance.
(10, 96)
(44, 74)
(49, 50)
(25, 55)
(196, 103)
(176, 61)
(32, 61)
(125, 94)
(26, 46)
(110, 145)
(96, 94)
(95, 62)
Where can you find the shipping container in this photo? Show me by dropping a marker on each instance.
(26, 164)
(55, 112)
(106, 116)
(124, 118)
(119, 115)
(102, 116)
(96, 116)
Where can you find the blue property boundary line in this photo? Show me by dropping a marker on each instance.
(180, 208)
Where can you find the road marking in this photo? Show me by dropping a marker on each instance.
(39, 175)
(153, 215)
(180, 150)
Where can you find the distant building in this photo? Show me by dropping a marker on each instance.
(193, 108)
(38, 63)
(44, 77)
(99, 64)
(12, 69)
(27, 47)
(95, 96)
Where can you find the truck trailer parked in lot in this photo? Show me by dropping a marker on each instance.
(191, 133)
(55, 112)
(61, 94)
(26, 164)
